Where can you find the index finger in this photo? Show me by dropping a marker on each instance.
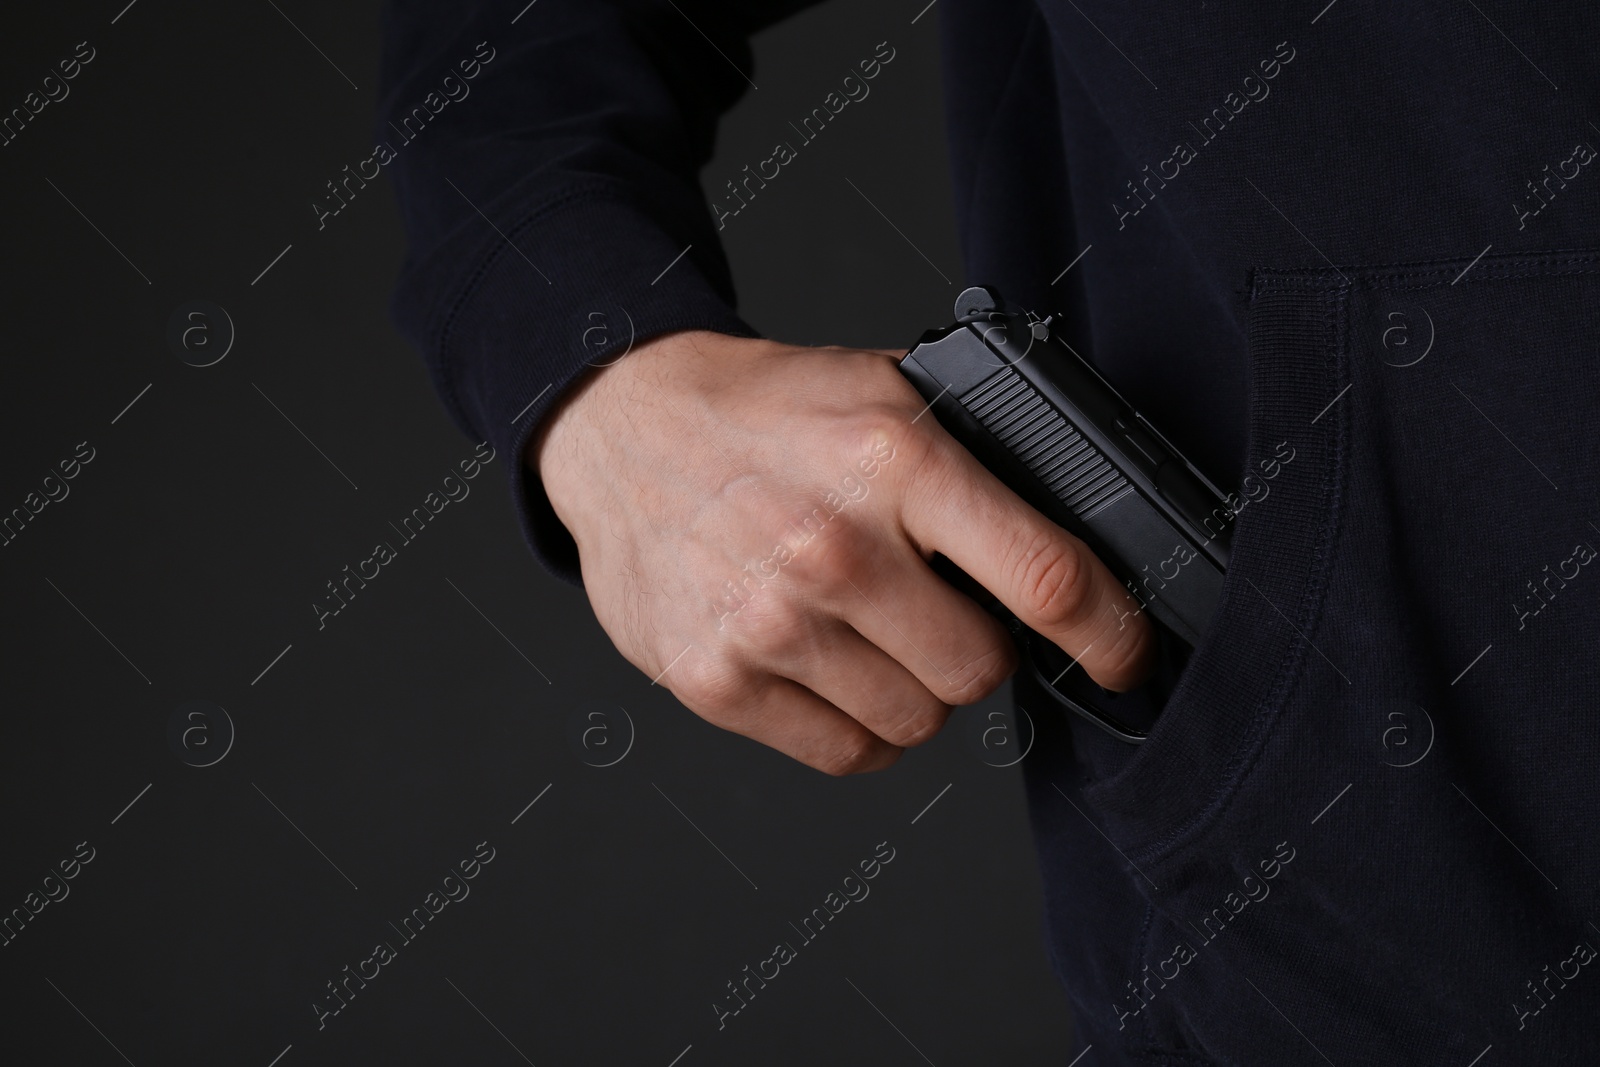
(1049, 579)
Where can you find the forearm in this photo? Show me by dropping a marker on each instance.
(552, 203)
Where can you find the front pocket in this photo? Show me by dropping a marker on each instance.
(1225, 702)
(1429, 552)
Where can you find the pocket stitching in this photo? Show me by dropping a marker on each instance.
(1308, 596)
(1314, 588)
(1503, 267)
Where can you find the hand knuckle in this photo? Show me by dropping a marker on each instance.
(853, 757)
(982, 675)
(711, 684)
(884, 423)
(917, 725)
(837, 556)
(775, 626)
(894, 436)
(1052, 580)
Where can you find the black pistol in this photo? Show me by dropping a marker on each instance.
(1043, 420)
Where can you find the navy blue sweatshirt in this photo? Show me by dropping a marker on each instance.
(1348, 256)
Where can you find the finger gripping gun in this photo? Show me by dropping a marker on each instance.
(1043, 420)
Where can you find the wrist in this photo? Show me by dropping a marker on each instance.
(582, 425)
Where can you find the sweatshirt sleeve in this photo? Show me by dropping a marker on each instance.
(546, 159)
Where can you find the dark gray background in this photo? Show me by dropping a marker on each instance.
(188, 553)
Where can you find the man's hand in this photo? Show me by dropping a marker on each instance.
(754, 523)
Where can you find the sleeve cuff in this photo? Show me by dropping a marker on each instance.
(572, 286)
